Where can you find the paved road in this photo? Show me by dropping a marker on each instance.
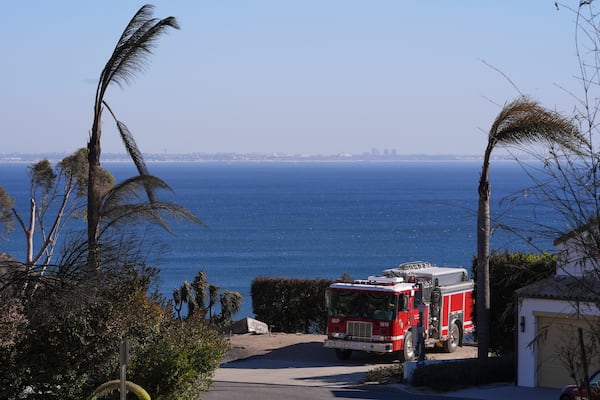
(302, 371)
(308, 371)
(258, 391)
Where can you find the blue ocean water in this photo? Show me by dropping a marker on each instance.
(310, 220)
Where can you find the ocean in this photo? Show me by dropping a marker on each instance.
(312, 220)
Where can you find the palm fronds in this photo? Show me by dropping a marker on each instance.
(524, 121)
(123, 204)
(132, 149)
(133, 49)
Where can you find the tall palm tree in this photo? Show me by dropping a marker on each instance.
(520, 122)
(128, 58)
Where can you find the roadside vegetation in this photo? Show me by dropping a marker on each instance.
(78, 293)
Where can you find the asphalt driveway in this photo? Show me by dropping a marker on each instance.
(302, 364)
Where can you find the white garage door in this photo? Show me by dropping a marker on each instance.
(558, 346)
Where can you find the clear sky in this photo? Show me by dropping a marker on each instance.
(309, 76)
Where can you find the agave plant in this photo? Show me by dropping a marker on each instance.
(109, 387)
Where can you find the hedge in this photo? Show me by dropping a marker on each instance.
(291, 305)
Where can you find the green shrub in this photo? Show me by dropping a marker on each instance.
(178, 362)
(291, 305)
(454, 375)
(70, 344)
(509, 272)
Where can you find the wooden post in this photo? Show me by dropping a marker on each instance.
(124, 357)
(586, 375)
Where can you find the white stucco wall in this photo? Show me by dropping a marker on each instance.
(531, 308)
(573, 258)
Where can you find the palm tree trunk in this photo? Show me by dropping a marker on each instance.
(94, 189)
(29, 232)
(483, 263)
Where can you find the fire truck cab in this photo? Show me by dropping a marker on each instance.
(414, 305)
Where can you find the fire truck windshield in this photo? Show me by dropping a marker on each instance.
(361, 304)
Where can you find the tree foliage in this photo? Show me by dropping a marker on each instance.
(57, 195)
(68, 338)
(509, 272)
(6, 212)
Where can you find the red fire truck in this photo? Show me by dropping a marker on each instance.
(383, 313)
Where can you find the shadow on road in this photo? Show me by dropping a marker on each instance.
(311, 354)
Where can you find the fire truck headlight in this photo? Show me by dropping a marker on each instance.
(337, 335)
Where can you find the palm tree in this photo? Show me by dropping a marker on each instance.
(231, 302)
(129, 57)
(520, 122)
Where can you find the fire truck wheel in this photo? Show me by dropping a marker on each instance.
(408, 349)
(343, 354)
(451, 344)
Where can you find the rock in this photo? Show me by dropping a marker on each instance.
(249, 325)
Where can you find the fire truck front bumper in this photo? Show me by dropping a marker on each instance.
(375, 347)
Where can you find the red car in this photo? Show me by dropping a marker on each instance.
(574, 392)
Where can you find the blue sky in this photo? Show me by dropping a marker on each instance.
(281, 76)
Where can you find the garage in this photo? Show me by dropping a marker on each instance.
(549, 313)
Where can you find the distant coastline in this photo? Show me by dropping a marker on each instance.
(256, 157)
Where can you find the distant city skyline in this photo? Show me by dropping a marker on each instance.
(374, 155)
(266, 76)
